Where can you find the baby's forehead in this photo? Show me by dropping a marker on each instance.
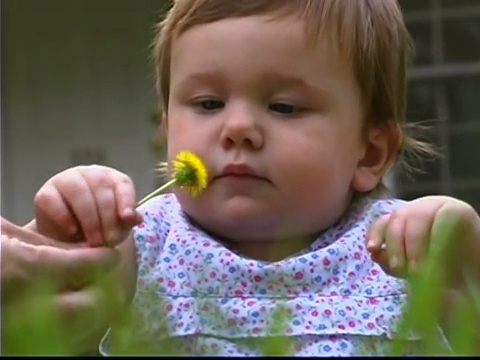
(340, 38)
(369, 34)
(275, 45)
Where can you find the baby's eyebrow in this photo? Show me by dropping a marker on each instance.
(210, 77)
(287, 81)
(282, 81)
(275, 80)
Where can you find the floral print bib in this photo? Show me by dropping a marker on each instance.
(196, 295)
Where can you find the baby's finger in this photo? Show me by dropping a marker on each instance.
(53, 212)
(102, 188)
(376, 234)
(381, 258)
(77, 194)
(395, 247)
(417, 235)
(125, 196)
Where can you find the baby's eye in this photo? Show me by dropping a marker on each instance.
(284, 108)
(210, 104)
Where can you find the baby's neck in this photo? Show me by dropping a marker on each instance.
(270, 251)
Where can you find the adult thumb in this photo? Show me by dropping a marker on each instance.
(14, 231)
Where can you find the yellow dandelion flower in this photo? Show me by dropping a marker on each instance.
(189, 172)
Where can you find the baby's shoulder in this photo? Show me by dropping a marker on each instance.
(160, 206)
(159, 214)
(366, 210)
(376, 207)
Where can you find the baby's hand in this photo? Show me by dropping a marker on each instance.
(399, 241)
(95, 203)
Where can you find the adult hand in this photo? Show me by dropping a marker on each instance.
(56, 297)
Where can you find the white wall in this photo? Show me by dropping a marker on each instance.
(76, 76)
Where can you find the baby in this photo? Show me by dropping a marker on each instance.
(297, 109)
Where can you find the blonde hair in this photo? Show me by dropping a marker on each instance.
(371, 34)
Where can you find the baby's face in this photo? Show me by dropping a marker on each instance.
(277, 122)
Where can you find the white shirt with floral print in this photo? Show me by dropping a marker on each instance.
(194, 296)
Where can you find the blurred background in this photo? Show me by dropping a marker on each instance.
(78, 88)
(445, 91)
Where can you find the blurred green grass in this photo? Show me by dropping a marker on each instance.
(30, 326)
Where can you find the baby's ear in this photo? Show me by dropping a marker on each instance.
(381, 148)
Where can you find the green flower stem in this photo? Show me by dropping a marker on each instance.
(157, 191)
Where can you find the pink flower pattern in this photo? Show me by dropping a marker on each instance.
(193, 288)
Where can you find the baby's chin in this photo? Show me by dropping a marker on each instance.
(248, 219)
(234, 228)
